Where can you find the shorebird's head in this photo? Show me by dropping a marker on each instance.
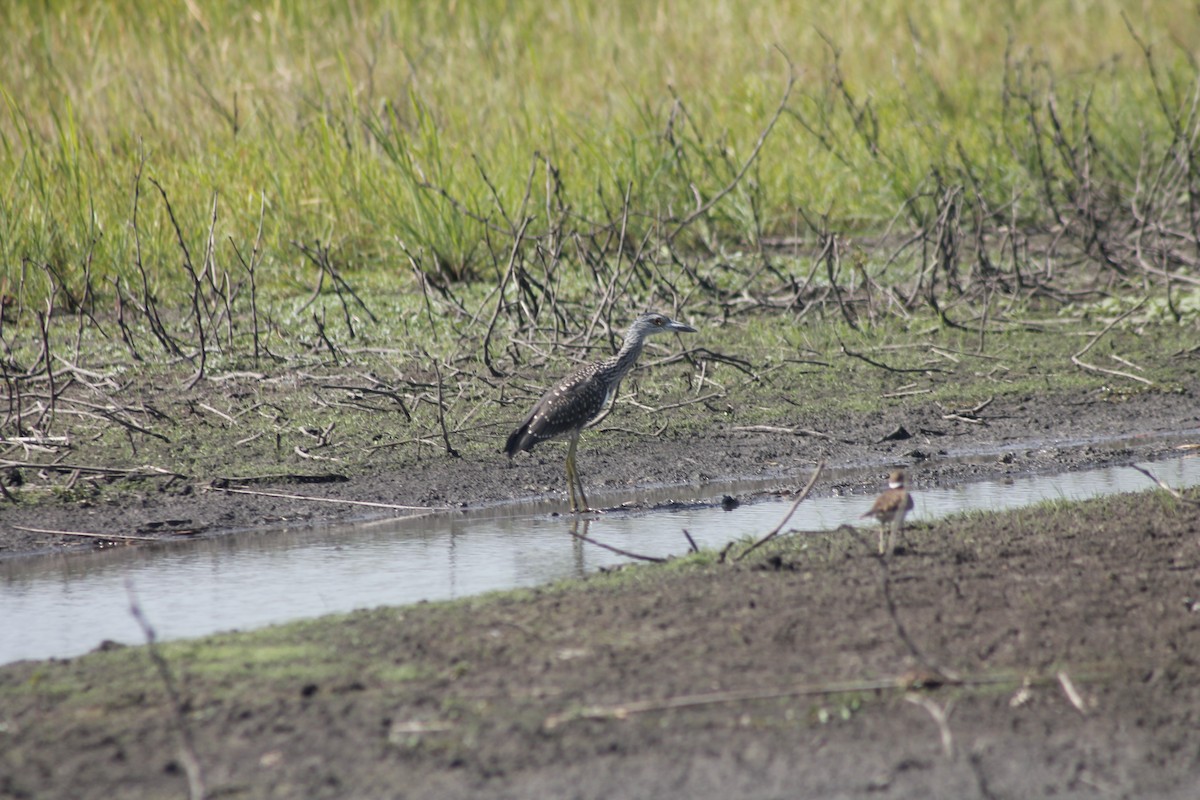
(896, 479)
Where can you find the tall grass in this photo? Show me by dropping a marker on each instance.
(404, 132)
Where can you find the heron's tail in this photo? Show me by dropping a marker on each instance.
(516, 442)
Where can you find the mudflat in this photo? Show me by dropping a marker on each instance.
(1015, 434)
(1043, 652)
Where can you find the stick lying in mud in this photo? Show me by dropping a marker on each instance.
(132, 473)
(105, 536)
(941, 718)
(1076, 359)
(1071, 692)
(902, 682)
(791, 431)
(285, 496)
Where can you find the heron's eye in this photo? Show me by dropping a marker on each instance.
(658, 321)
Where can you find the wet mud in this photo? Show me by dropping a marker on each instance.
(1012, 436)
(1043, 652)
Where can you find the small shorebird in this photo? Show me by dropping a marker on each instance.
(890, 509)
(582, 397)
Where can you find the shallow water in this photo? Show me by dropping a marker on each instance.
(66, 605)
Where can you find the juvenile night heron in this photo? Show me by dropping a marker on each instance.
(580, 398)
(890, 509)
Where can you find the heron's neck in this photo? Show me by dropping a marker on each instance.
(625, 358)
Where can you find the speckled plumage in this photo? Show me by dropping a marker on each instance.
(574, 402)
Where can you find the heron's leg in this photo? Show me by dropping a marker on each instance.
(882, 536)
(570, 477)
(583, 503)
(573, 479)
(573, 476)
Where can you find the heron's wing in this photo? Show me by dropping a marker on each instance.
(567, 406)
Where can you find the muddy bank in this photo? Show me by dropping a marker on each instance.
(1009, 436)
(1032, 654)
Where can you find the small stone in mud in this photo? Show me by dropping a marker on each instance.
(897, 435)
(729, 503)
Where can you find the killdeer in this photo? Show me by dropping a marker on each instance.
(890, 509)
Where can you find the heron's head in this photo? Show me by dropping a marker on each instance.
(652, 323)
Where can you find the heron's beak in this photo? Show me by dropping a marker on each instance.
(679, 327)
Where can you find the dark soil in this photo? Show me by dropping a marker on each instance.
(1058, 647)
(1020, 435)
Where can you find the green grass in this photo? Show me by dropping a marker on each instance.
(399, 143)
(334, 120)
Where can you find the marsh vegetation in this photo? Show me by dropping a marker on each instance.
(283, 221)
(340, 245)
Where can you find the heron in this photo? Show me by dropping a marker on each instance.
(890, 509)
(582, 397)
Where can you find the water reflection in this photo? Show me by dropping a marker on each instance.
(63, 606)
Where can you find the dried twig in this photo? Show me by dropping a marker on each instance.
(941, 717)
(1075, 359)
(219, 413)
(874, 363)
(583, 537)
(441, 407)
(116, 537)
(197, 296)
(130, 425)
(1165, 486)
(250, 265)
(970, 415)
(286, 496)
(625, 710)
(704, 208)
(797, 431)
(44, 330)
(803, 495)
(133, 472)
(669, 406)
(320, 256)
(691, 542)
(1068, 687)
(370, 390)
(303, 453)
(183, 728)
(905, 393)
